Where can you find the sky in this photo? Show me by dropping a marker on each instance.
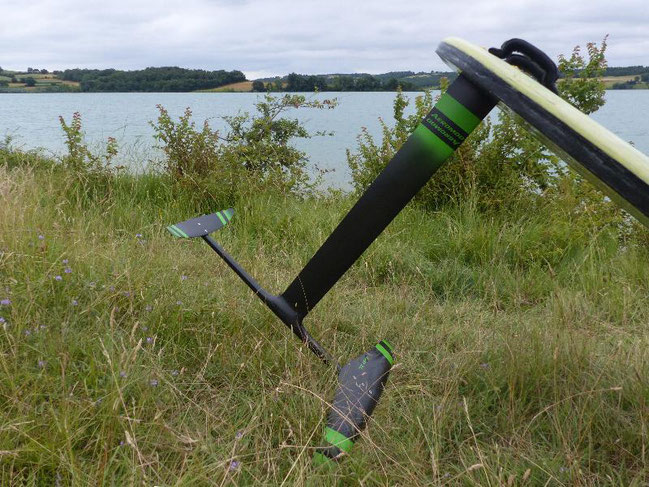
(275, 37)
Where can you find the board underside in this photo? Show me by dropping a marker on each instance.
(612, 164)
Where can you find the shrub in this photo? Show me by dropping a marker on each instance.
(255, 149)
(79, 158)
(188, 151)
(582, 83)
(262, 144)
(501, 166)
(90, 173)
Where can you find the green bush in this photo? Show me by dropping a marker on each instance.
(582, 83)
(79, 158)
(91, 172)
(501, 166)
(254, 150)
(188, 151)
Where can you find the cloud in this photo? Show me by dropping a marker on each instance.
(279, 36)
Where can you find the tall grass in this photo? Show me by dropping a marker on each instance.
(130, 357)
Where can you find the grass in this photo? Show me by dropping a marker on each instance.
(609, 81)
(44, 82)
(241, 86)
(521, 345)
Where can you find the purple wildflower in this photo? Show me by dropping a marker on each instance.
(149, 339)
(122, 373)
(92, 284)
(68, 270)
(75, 302)
(121, 443)
(148, 308)
(2, 320)
(183, 278)
(239, 435)
(153, 382)
(174, 372)
(234, 465)
(112, 288)
(484, 365)
(179, 302)
(65, 261)
(41, 237)
(138, 235)
(58, 278)
(127, 294)
(28, 332)
(5, 302)
(42, 363)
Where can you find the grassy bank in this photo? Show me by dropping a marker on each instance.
(241, 86)
(43, 83)
(614, 82)
(130, 357)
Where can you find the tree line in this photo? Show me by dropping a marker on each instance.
(406, 80)
(626, 71)
(150, 79)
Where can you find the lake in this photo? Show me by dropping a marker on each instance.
(32, 119)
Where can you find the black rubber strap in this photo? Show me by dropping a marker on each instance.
(537, 61)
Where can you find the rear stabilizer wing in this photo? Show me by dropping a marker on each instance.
(202, 225)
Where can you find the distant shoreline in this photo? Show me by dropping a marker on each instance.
(180, 80)
(25, 91)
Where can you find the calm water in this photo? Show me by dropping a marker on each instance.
(33, 120)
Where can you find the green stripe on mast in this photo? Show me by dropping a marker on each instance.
(385, 353)
(457, 112)
(338, 440)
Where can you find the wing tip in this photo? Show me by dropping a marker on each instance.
(176, 232)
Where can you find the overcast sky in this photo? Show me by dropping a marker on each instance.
(268, 37)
